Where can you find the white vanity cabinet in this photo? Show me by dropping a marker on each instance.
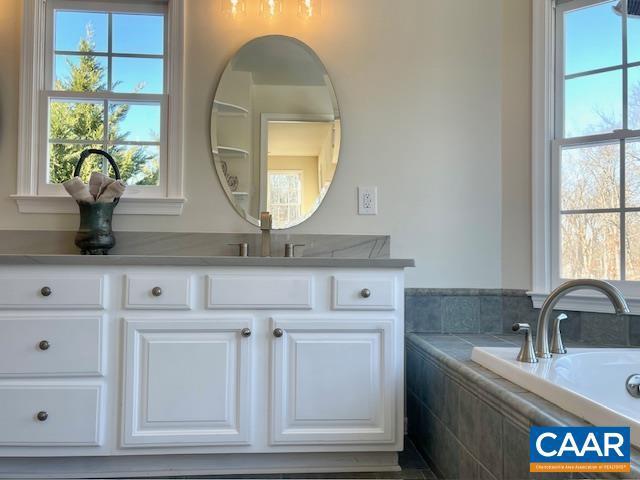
(333, 381)
(161, 363)
(187, 382)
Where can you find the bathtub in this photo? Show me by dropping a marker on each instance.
(588, 382)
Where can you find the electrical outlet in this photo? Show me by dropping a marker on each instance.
(367, 200)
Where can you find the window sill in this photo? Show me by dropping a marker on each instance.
(585, 303)
(127, 205)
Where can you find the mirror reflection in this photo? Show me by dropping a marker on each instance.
(275, 131)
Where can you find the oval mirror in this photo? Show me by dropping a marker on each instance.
(275, 131)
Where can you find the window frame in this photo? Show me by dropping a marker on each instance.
(34, 195)
(547, 141)
(293, 172)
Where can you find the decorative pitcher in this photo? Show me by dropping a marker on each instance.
(95, 235)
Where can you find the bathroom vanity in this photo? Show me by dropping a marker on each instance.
(138, 365)
(127, 365)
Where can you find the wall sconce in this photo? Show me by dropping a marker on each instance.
(309, 8)
(234, 8)
(270, 8)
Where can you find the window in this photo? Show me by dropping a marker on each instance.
(589, 119)
(596, 151)
(108, 76)
(285, 197)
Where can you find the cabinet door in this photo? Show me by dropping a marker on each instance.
(333, 381)
(187, 382)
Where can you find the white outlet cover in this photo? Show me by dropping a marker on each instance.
(367, 200)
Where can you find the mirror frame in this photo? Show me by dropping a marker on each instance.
(216, 156)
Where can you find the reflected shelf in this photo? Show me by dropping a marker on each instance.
(229, 109)
(232, 152)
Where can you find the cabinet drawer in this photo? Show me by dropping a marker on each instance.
(50, 346)
(51, 291)
(360, 293)
(70, 415)
(170, 292)
(260, 291)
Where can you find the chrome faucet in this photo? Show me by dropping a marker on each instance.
(266, 221)
(542, 336)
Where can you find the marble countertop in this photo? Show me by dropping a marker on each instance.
(204, 261)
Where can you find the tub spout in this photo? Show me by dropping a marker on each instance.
(612, 293)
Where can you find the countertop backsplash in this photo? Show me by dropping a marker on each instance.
(28, 242)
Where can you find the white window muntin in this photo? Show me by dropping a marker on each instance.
(48, 94)
(560, 141)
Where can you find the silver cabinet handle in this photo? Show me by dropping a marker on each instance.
(245, 332)
(365, 293)
(42, 416)
(278, 332)
(44, 345)
(46, 291)
(156, 291)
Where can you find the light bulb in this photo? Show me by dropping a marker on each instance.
(309, 8)
(270, 8)
(234, 8)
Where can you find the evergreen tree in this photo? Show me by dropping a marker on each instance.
(84, 121)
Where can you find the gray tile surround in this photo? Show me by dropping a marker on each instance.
(494, 311)
(488, 438)
(29, 242)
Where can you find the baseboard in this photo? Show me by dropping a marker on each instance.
(180, 465)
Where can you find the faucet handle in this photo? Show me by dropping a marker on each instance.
(290, 249)
(243, 248)
(521, 327)
(527, 354)
(557, 347)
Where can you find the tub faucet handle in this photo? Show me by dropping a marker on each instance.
(557, 347)
(527, 353)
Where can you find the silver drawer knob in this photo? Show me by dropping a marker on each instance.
(245, 332)
(365, 293)
(278, 332)
(156, 291)
(46, 291)
(44, 345)
(42, 416)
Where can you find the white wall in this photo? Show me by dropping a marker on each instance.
(433, 113)
(516, 144)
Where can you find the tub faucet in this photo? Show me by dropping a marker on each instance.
(611, 292)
